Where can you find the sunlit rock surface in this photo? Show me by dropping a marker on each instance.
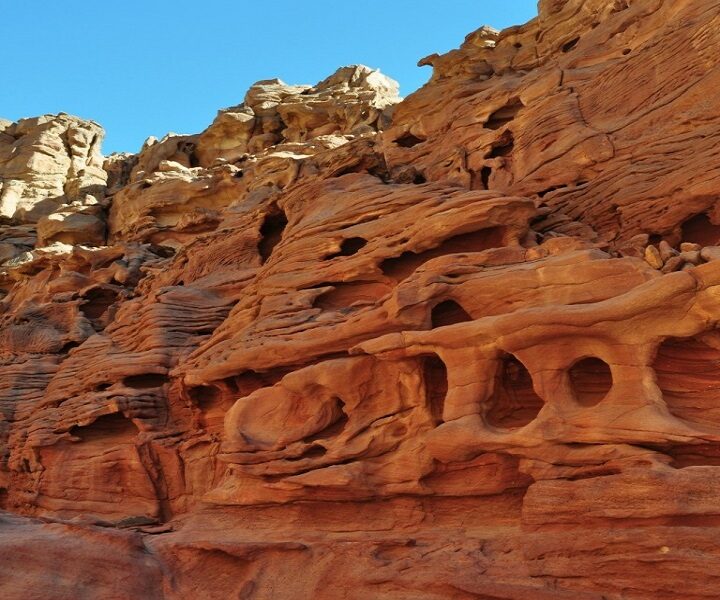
(343, 345)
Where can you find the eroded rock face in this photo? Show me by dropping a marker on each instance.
(339, 345)
(354, 100)
(47, 162)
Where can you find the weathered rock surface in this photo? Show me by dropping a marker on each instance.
(340, 345)
(47, 162)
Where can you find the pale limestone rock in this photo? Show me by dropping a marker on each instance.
(73, 226)
(172, 147)
(710, 253)
(354, 100)
(666, 251)
(157, 208)
(691, 256)
(47, 162)
(269, 138)
(690, 247)
(674, 263)
(653, 258)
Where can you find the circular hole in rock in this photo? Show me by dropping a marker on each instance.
(349, 247)
(514, 402)
(591, 380)
(96, 302)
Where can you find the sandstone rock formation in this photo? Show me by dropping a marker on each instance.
(47, 162)
(343, 345)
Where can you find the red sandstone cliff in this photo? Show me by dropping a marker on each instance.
(338, 345)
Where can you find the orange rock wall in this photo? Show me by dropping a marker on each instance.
(343, 345)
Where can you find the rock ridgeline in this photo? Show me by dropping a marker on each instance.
(340, 344)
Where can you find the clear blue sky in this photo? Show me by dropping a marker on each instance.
(146, 67)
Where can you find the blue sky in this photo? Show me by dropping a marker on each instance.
(146, 67)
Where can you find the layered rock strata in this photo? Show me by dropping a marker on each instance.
(339, 344)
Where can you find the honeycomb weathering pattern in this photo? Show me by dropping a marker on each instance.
(343, 345)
